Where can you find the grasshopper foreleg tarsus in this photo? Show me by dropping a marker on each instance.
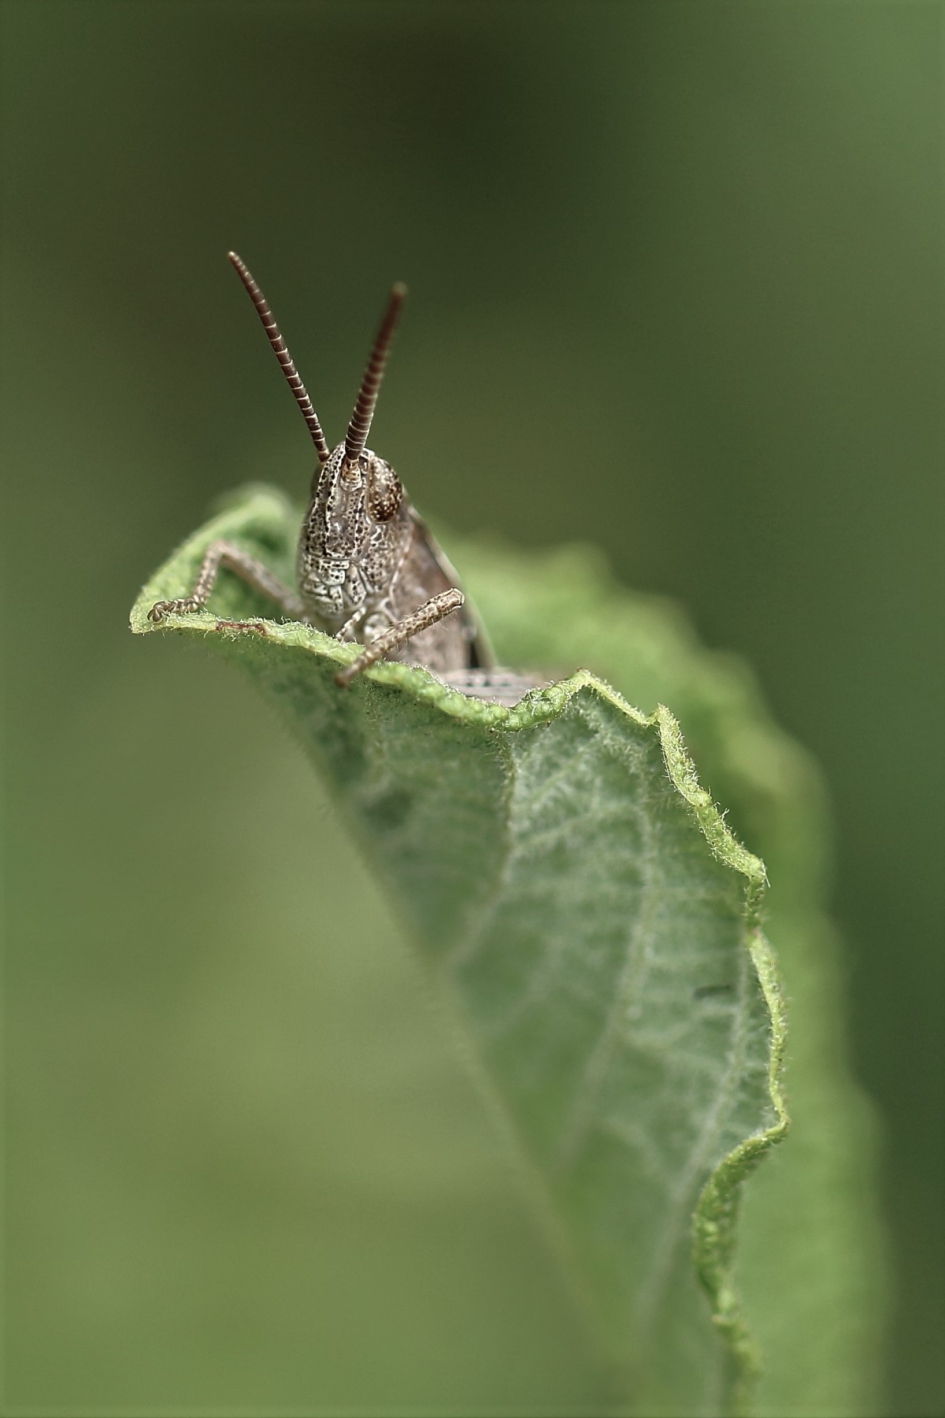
(437, 608)
(248, 568)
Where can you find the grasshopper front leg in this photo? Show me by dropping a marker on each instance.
(256, 573)
(437, 608)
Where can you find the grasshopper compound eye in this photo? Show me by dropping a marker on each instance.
(384, 491)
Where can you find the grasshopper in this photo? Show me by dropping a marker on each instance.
(368, 569)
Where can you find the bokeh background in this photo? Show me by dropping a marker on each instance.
(676, 275)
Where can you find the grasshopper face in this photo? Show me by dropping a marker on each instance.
(354, 539)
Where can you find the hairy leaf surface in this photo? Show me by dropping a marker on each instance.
(578, 897)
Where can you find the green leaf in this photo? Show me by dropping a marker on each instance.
(580, 900)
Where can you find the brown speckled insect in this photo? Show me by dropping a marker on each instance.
(368, 569)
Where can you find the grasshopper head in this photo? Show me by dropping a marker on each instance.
(353, 538)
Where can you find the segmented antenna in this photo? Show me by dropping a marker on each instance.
(284, 358)
(360, 425)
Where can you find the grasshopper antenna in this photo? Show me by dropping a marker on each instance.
(360, 425)
(284, 358)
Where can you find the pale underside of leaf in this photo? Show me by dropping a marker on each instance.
(579, 899)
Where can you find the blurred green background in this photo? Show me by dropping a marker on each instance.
(677, 290)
